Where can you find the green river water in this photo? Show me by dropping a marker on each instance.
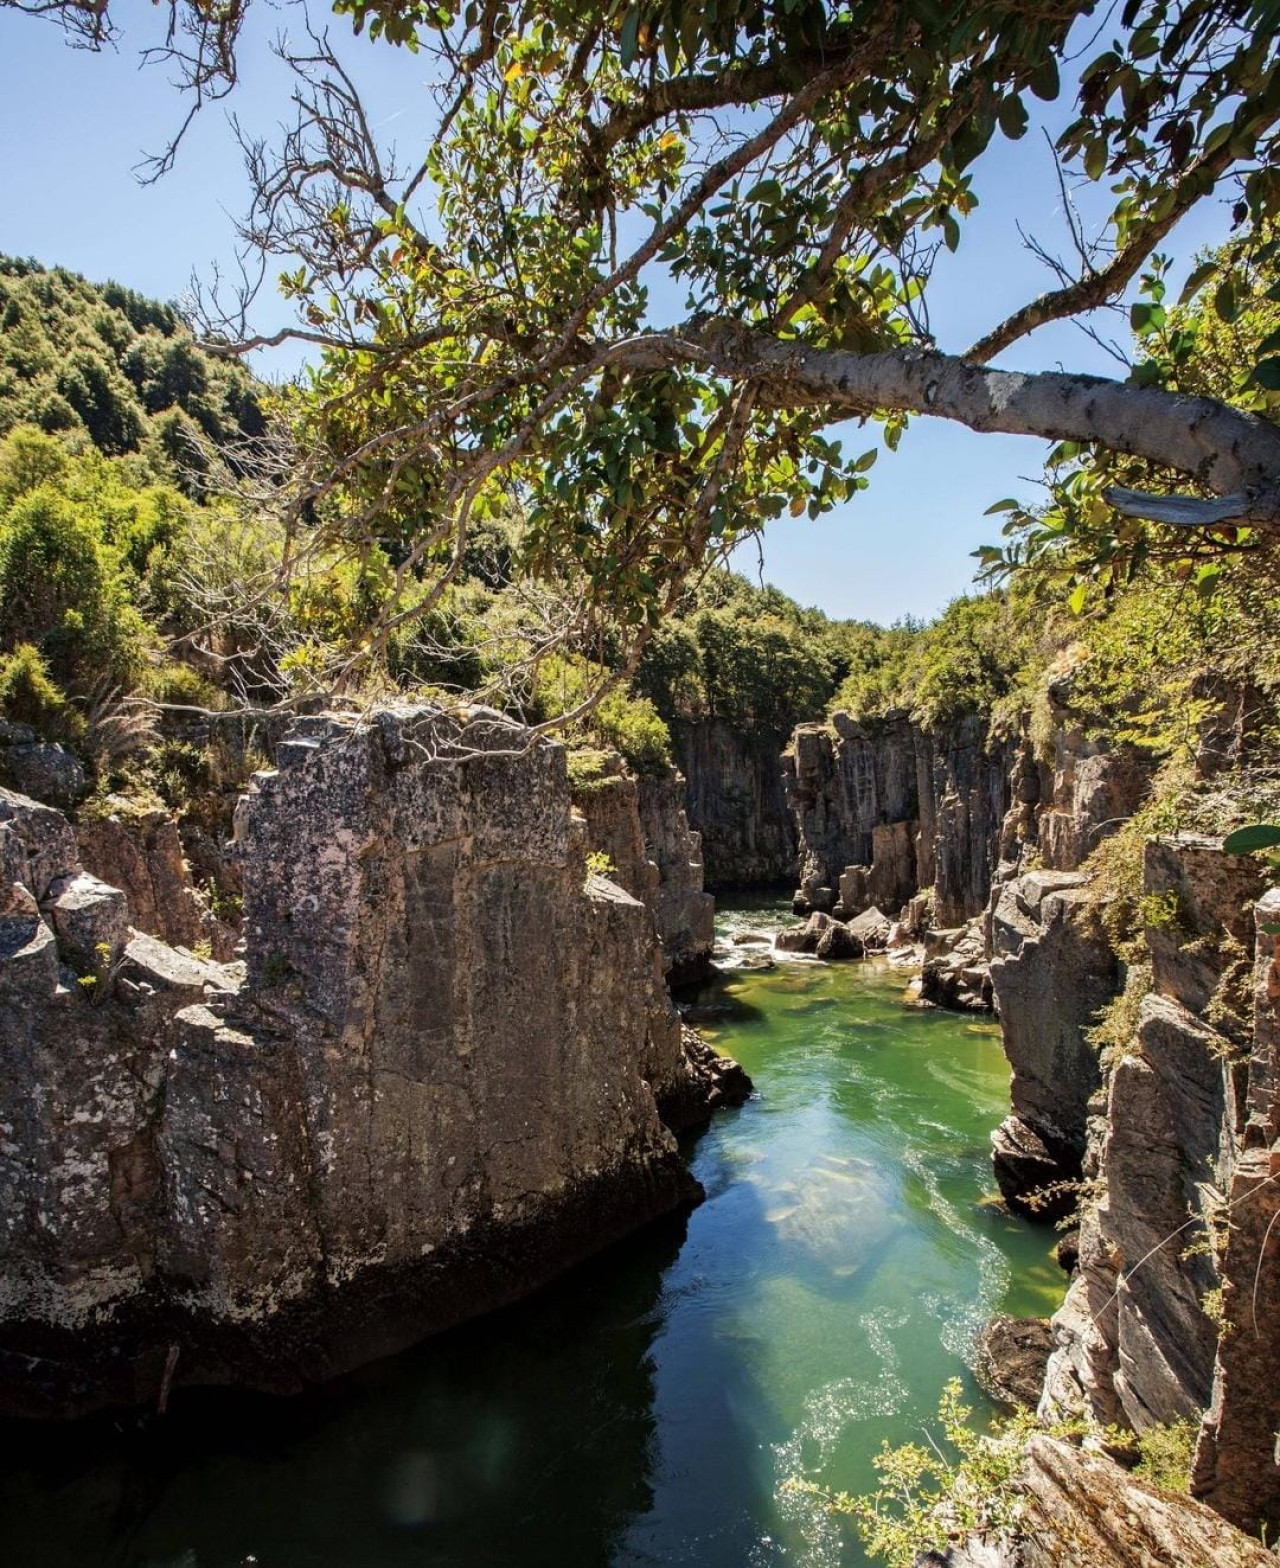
(648, 1407)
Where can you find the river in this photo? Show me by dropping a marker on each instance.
(648, 1408)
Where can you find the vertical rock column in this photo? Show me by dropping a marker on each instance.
(1136, 1335)
(1236, 1469)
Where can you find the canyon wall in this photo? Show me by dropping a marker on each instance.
(903, 807)
(640, 826)
(434, 1081)
(736, 802)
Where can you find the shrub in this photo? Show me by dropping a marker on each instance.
(60, 591)
(1166, 1453)
(29, 696)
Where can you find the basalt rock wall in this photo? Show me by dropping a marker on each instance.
(736, 802)
(910, 807)
(641, 827)
(399, 1112)
(1138, 1334)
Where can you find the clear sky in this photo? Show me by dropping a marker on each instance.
(73, 126)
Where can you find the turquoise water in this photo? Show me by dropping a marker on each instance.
(649, 1407)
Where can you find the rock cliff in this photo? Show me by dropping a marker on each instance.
(1137, 1336)
(884, 808)
(1052, 971)
(736, 802)
(1080, 1510)
(641, 827)
(396, 1114)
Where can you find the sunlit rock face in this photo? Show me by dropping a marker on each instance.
(884, 808)
(1137, 1335)
(1051, 971)
(430, 1087)
(1079, 1509)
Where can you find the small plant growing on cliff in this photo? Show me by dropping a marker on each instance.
(926, 1495)
(600, 865)
(226, 906)
(1214, 1306)
(1115, 1031)
(1230, 1008)
(1165, 1455)
(93, 983)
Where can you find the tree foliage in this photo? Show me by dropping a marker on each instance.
(651, 254)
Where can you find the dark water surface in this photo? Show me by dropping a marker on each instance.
(648, 1408)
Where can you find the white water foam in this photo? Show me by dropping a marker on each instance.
(961, 1320)
(828, 1411)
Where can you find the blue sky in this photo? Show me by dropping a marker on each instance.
(73, 127)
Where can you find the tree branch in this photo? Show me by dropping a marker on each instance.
(1099, 288)
(1231, 452)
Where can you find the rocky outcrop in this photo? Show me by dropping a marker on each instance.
(1136, 1337)
(398, 1115)
(140, 851)
(639, 826)
(823, 936)
(884, 808)
(1079, 1509)
(1089, 795)
(683, 912)
(736, 802)
(953, 973)
(1236, 1468)
(1010, 1359)
(1051, 970)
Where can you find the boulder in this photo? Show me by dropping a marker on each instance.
(805, 938)
(90, 921)
(837, 942)
(46, 772)
(872, 929)
(1011, 1357)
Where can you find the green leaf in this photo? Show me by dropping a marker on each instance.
(1078, 596)
(1225, 301)
(1013, 118)
(1006, 505)
(768, 191)
(1199, 277)
(630, 35)
(1269, 344)
(1267, 374)
(1258, 835)
(1044, 79)
(1095, 158)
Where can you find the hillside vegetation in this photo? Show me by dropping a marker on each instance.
(121, 577)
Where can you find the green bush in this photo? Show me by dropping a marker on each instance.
(1166, 1453)
(29, 696)
(620, 721)
(61, 591)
